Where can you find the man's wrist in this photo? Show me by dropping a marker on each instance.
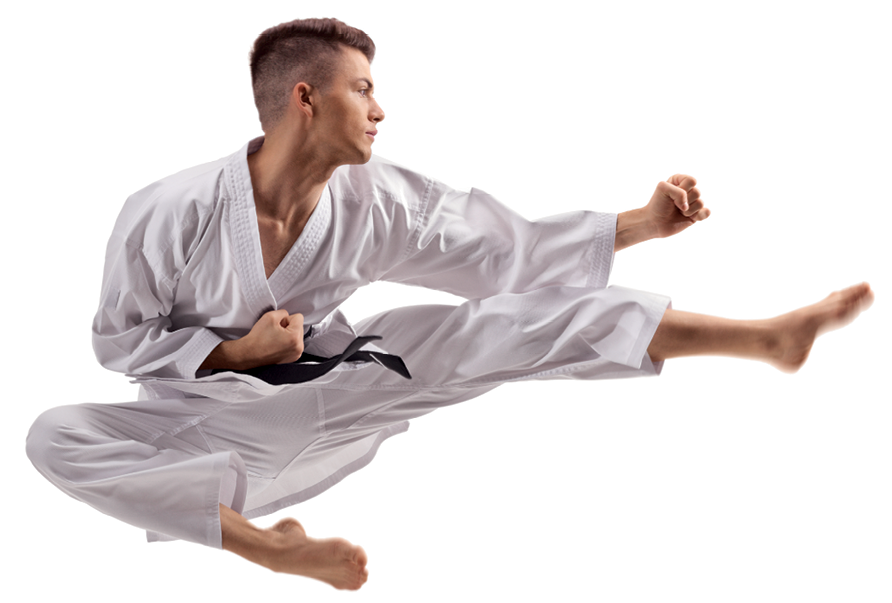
(632, 227)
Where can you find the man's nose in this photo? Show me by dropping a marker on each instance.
(377, 113)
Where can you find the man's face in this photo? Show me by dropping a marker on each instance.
(348, 114)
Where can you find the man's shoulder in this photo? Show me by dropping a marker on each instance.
(172, 202)
(380, 179)
(199, 183)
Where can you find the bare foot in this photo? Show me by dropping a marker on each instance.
(798, 329)
(332, 560)
(286, 548)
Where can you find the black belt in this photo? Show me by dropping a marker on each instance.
(309, 367)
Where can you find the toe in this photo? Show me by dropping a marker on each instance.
(361, 558)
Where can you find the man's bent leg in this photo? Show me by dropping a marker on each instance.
(128, 461)
(286, 548)
(783, 341)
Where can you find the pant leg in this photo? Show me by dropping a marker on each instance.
(456, 353)
(555, 332)
(138, 463)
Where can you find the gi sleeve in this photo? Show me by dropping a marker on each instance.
(132, 330)
(471, 245)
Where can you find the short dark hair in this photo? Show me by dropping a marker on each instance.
(304, 50)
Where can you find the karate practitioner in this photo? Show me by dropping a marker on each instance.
(242, 263)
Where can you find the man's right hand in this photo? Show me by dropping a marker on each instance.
(277, 338)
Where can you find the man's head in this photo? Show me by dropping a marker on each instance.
(305, 50)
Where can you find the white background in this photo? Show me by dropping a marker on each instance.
(721, 480)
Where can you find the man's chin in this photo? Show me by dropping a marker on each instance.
(362, 158)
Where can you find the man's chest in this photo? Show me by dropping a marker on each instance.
(276, 241)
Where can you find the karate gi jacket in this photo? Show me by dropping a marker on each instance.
(184, 268)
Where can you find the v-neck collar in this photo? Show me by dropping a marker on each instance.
(261, 293)
(304, 248)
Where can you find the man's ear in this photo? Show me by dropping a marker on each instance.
(304, 97)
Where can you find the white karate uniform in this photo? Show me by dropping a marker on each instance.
(184, 271)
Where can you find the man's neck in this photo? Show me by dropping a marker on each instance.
(287, 179)
(288, 182)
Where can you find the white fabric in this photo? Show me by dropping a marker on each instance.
(184, 271)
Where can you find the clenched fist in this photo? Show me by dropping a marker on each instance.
(277, 338)
(675, 205)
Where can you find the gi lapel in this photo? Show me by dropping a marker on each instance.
(245, 234)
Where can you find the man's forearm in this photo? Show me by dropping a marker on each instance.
(227, 355)
(632, 227)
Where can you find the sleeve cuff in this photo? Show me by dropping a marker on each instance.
(601, 251)
(194, 352)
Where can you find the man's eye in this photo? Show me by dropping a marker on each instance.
(363, 92)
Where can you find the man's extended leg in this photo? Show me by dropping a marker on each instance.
(286, 548)
(783, 341)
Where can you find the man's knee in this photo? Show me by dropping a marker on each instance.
(51, 434)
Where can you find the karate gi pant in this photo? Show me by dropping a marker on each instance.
(165, 465)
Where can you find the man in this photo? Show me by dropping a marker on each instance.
(220, 272)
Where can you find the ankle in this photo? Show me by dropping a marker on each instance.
(770, 340)
(247, 540)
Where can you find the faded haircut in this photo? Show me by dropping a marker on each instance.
(304, 50)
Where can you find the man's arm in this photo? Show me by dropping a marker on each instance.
(675, 205)
(473, 246)
(276, 338)
(132, 330)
